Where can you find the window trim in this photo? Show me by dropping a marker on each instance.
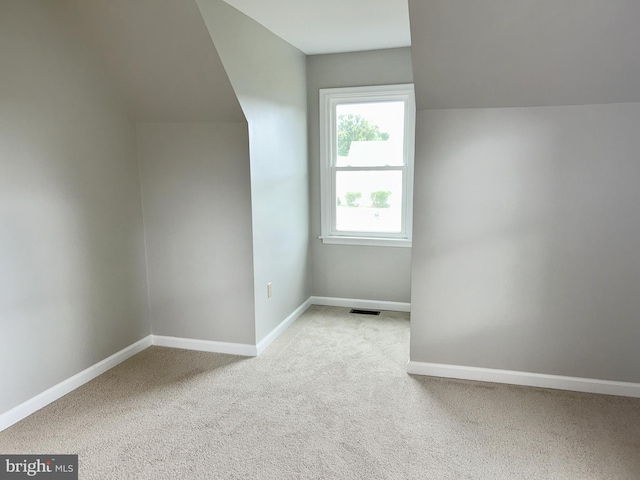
(329, 99)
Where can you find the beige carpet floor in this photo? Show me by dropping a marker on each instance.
(329, 399)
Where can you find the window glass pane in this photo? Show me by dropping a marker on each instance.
(370, 134)
(369, 201)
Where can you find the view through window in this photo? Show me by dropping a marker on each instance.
(370, 148)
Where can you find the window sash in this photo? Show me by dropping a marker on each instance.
(359, 233)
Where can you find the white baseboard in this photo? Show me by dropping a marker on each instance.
(57, 391)
(357, 303)
(576, 384)
(276, 332)
(61, 389)
(244, 349)
(248, 350)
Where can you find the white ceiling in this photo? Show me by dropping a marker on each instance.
(332, 26)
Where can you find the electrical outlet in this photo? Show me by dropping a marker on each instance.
(269, 290)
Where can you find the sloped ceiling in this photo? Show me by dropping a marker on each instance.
(160, 54)
(508, 53)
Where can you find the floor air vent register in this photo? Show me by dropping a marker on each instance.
(365, 312)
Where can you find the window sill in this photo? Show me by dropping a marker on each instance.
(366, 241)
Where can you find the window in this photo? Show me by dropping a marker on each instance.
(366, 150)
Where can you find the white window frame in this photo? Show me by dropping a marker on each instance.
(330, 98)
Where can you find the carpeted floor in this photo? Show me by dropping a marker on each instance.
(329, 399)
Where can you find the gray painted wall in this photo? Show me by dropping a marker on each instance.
(524, 53)
(269, 78)
(525, 240)
(160, 54)
(72, 273)
(196, 194)
(373, 273)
